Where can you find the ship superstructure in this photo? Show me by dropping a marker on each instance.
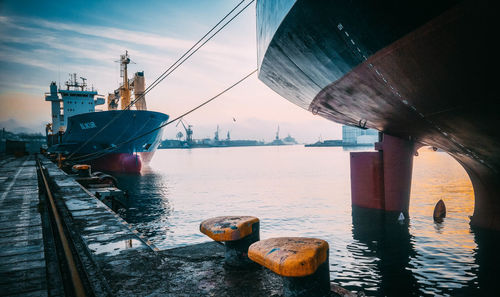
(74, 99)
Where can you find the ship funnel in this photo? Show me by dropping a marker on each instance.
(139, 91)
(53, 89)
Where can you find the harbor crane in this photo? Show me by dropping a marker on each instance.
(188, 129)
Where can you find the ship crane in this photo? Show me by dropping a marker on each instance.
(188, 129)
(124, 92)
(125, 88)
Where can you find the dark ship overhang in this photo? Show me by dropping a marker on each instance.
(415, 70)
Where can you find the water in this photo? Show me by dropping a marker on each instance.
(298, 191)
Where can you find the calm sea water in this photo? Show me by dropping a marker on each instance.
(298, 191)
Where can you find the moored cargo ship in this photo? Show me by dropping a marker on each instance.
(418, 71)
(118, 140)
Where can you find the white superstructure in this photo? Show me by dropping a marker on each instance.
(76, 99)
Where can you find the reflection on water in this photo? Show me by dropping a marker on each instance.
(298, 191)
(148, 206)
(388, 244)
(113, 247)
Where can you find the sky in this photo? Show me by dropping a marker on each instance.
(44, 41)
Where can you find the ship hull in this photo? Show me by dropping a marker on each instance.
(414, 70)
(119, 141)
(118, 162)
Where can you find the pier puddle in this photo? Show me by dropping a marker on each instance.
(115, 247)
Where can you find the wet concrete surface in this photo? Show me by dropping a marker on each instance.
(22, 256)
(199, 270)
(117, 260)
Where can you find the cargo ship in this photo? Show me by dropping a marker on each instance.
(117, 140)
(420, 72)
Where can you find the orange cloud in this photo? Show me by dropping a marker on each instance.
(28, 109)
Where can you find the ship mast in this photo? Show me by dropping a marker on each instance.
(125, 89)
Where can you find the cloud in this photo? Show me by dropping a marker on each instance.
(52, 44)
(48, 47)
(19, 56)
(30, 111)
(50, 30)
(24, 86)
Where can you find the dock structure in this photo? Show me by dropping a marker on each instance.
(22, 255)
(109, 256)
(116, 259)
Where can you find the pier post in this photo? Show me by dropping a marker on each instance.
(302, 263)
(237, 233)
(382, 179)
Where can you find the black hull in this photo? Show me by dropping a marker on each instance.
(417, 70)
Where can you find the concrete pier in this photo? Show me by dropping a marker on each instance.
(116, 259)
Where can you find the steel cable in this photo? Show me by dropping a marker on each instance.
(111, 149)
(167, 72)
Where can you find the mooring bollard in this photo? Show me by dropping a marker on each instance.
(302, 263)
(83, 170)
(237, 233)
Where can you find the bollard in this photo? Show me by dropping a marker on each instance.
(83, 170)
(301, 262)
(237, 233)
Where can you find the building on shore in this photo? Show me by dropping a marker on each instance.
(21, 143)
(357, 136)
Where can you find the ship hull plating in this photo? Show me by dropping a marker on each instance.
(113, 140)
(414, 70)
(118, 162)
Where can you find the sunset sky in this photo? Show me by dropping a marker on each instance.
(44, 41)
